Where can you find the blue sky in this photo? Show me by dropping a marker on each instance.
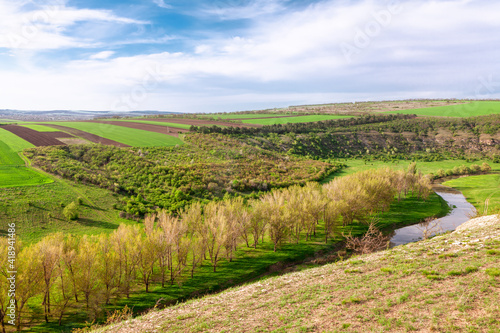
(228, 55)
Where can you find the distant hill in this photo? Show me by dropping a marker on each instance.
(72, 114)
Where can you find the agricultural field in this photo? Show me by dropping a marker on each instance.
(13, 171)
(233, 116)
(464, 110)
(152, 122)
(288, 120)
(39, 128)
(129, 136)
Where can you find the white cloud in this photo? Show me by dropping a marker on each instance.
(428, 49)
(236, 10)
(102, 55)
(45, 27)
(162, 4)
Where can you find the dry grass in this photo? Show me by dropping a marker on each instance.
(443, 284)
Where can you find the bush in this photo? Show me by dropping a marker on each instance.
(71, 211)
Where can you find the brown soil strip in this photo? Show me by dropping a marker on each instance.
(58, 135)
(200, 122)
(34, 137)
(88, 136)
(167, 130)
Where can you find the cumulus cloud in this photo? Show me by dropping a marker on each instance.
(44, 25)
(330, 51)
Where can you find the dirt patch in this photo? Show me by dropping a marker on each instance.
(167, 130)
(199, 122)
(59, 135)
(34, 137)
(74, 141)
(88, 136)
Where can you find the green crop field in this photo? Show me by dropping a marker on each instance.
(459, 110)
(152, 122)
(13, 171)
(13, 141)
(40, 128)
(129, 136)
(14, 176)
(299, 119)
(243, 116)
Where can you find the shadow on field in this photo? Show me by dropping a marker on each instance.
(96, 224)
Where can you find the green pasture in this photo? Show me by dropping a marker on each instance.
(468, 109)
(40, 128)
(13, 141)
(38, 210)
(298, 119)
(244, 116)
(13, 171)
(129, 136)
(480, 190)
(152, 122)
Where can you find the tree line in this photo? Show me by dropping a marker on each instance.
(62, 273)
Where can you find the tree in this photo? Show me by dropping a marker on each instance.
(274, 208)
(126, 241)
(216, 231)
(71, 211)
(49, 251)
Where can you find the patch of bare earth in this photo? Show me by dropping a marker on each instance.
(34, 137)
(167, 130)
(88, 136)
(437, 285)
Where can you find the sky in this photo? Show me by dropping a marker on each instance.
(232, 55)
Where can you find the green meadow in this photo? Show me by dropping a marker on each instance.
(13, 171)
(468, 109)
(129, 136)
(299, 119)
(481, 191)
(243, 116)
(152, 122)
(40, 128)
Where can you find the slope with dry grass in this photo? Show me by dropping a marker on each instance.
(450, 283)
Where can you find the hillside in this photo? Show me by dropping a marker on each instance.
(447, 283)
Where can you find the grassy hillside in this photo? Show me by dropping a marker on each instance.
(449, 283)
(470, 109)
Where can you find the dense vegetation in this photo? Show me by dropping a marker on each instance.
(378, 136)
(171, 178)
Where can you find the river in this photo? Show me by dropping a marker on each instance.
(461, 212)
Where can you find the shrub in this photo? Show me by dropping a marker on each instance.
(71, 211)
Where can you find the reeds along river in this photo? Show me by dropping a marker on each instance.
(461, 212)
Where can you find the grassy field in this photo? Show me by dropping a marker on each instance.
(13, 171)
(244, 116)
(448, 283)
(356, 165)
(40, 128)
(480, 190)
(300, 119)
(37, 210)
(130, 136)
(152, 122)
(13, 141)
(461, 110)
